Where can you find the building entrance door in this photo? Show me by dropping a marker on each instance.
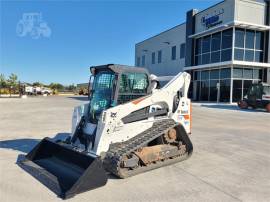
(237, 90)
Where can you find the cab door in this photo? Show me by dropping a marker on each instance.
(251, 95)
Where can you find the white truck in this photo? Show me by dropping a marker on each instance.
(36, 90)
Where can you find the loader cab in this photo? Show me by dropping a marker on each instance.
(115, 84)
(258, 95)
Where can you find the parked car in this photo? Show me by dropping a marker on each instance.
(46, 91)
(36, 90)
(258, 96)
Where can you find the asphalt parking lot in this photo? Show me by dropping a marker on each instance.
(230, 162)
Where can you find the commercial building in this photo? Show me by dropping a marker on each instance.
(225, 48)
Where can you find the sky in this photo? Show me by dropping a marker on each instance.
(78, 34)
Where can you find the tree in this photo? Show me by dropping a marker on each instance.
(3, 82)
(37, 84)
(56, 86)
(12, 80)
(71, 87)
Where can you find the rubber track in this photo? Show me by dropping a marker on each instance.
(117, 151)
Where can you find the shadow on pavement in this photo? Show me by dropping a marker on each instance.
(81, 98)
(25, 145)
(232, 108)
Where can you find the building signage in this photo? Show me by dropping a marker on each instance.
(213, 20)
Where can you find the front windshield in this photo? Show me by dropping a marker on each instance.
(102, 93)
(266, 90)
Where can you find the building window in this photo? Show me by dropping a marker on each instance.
(138, 62)
(214, 74)
(249, 55)
(206, 58)
(214, 48)
(239, 38)
(239, 54)
(225, 73)
(159, 56)
(237, 73)
(250, 37)
(182, 50)
(258, 56)
(205, 75)
(206, 44)
(153, 58)
(248, 73)
(204, 90)
(213, 90)
(173, 52)
(259, 40)
(215, 56)
(257, 74)
(225, 89)
(143, 60)
(249, 45)
(216, 42)
(198, 59)
(198, 49)
(227, 38)
(226, 55)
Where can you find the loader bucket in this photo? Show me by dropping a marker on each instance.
(63, 170)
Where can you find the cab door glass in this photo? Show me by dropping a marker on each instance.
(266, 90)
(132, 86)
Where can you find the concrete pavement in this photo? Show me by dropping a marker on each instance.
(230, 162)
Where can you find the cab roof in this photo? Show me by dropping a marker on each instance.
(118, 68)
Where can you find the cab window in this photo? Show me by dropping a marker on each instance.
(266, 90)
(132, 86)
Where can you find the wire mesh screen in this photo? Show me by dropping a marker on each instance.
(103, 92)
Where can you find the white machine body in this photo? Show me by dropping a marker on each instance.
(111, 128)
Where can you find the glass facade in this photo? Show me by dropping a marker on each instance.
(214, 48)
(249, 45)
(206, 84)
(217, 47)
(215, 84)
(223, 82)
(243, 78)
(220, 83)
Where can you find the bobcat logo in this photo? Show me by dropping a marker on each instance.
(113, 115)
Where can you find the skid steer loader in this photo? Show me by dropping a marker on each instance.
(128, 127)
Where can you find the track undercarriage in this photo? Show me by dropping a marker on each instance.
(166, 142)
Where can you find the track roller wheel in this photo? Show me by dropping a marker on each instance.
(242, 104)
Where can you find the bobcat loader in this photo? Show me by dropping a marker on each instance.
(128, 127)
